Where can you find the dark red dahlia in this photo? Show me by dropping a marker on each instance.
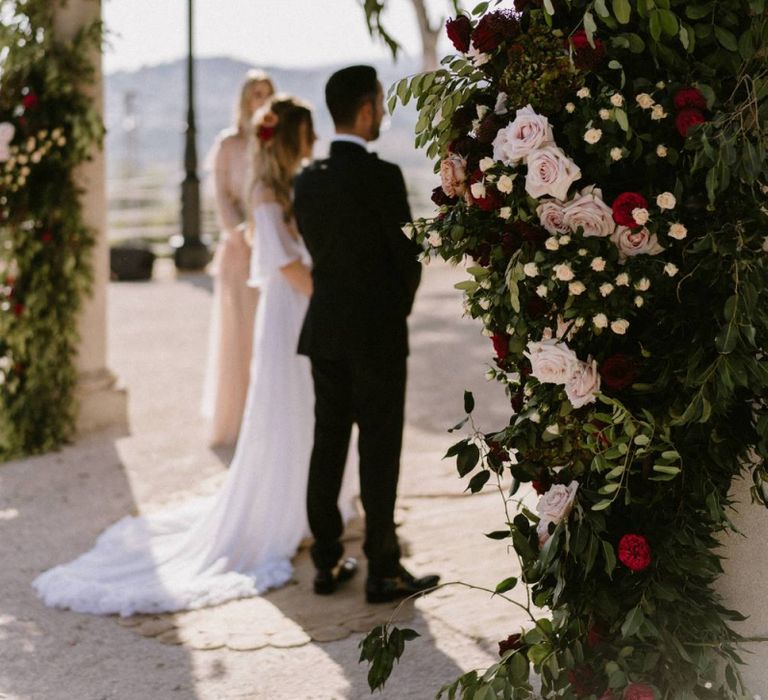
(463, 117)
(687, 118)
(690, 98)
(500, 342)
(459, 31)
(634, 552)
(624, 205)
(440, 198)
(493, 29)
(586, 56)
(488, 128)
(511, 642)
(618, 371)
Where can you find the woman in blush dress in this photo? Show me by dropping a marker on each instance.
(239, 542)
(234, 302)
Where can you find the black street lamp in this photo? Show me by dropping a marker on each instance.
(192, 254)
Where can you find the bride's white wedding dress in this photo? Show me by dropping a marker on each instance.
(238, 543)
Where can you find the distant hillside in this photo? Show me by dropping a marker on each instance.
(158, 94)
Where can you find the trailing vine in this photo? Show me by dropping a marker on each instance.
(48, 127)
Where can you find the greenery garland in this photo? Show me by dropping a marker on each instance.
(48, 127)
(603, 164)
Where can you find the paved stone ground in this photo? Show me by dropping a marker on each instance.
(288, 644)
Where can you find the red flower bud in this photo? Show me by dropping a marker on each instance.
(634, 552)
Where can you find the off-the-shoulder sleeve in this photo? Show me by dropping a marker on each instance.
(273, 245)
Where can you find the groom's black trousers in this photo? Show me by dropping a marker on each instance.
(372, 395)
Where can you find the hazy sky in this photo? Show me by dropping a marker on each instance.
(262, 32)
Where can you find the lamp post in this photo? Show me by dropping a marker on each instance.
(192, 254)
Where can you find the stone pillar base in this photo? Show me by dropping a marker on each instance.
(102, 403)
(743, 583)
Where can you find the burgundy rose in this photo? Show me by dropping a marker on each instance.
(459, 31)
(517, 401)
(634, 552)
(638, 691)
(488, 128)
(607, 695)
(440, 198)
(462, 146)
(624, 205)
(539, 487)
(597, 635)
(688, 118)
(493, 200)
(463, 117)
(29, 101)
(689, 98)
(500, 342)
(494, 28)
(530, 233)
(586, 56)
(511, 642)
(618, 371)
(482, 254)
(583, 681)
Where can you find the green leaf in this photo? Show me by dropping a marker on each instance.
(655, 25)
(696, 10)
(469, 402)
(602, 505)
(669, 23)
(622, 10)
(726, 38)
(610, 557)
(621, 118)
(549, 7)
(506, 585)
(632, 622)
(498, 534)
(479, 480)
(590, 27)
(519, 668)
(601, 8)
(467, 459)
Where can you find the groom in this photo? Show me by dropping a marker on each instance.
(350, 209)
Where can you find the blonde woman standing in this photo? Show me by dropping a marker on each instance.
(234, 302)
(239, 542)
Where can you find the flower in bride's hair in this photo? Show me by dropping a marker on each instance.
(266, 124)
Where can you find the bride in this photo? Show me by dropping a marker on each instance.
(238, 543)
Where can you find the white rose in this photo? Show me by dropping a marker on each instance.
(486, 163)
(7, 131)
(617, 99)
(478, 58)
(576, 288)
(551, 216)
(435, 240)
(531, 269)
(677, 231)
(589, 212)
(554, 507)
(552, 362)
(527, 133)
(605, 288)
(661, 151)
(639, 301)
(616, 154)
(600, 321)
(582, 252)
(619, 326)
(644, 100)
(643, 285)
(666, 200)
(550, 172)
(630, 243)
(605, 114)
(671, 269)
(584, 384)
(551, 243)
(640, 215)
(598, 264)
(593, 135)
(583, 93)
(658, 113)
(570, 107)
(481, 111)
(504, 185)
(661, 85)
(564, 240)
(478, 190)
(542, 290)
(563, 272)
(622, 280)
(535, 417)
(501, 104)
(505, 213)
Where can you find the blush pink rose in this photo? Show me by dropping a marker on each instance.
(589, 212)
(631, 243)
(526, 134)
(554, 507)
(551, 215)
(584, 385)
(453, 175)
(550, 173)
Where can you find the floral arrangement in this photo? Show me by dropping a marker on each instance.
(47, 128)
(603, 167)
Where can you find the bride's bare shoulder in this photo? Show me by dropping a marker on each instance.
(261, 194)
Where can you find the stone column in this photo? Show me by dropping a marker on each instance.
(101, 402)
(743, 583)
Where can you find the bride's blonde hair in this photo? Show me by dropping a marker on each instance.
(277, 147)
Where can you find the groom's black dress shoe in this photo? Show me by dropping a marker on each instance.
(383, 589)
(327, 580)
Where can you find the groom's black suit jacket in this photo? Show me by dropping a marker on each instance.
(350, 209)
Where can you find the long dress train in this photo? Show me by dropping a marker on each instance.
(238, 543)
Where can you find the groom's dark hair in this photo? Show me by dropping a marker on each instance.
(349, 89)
